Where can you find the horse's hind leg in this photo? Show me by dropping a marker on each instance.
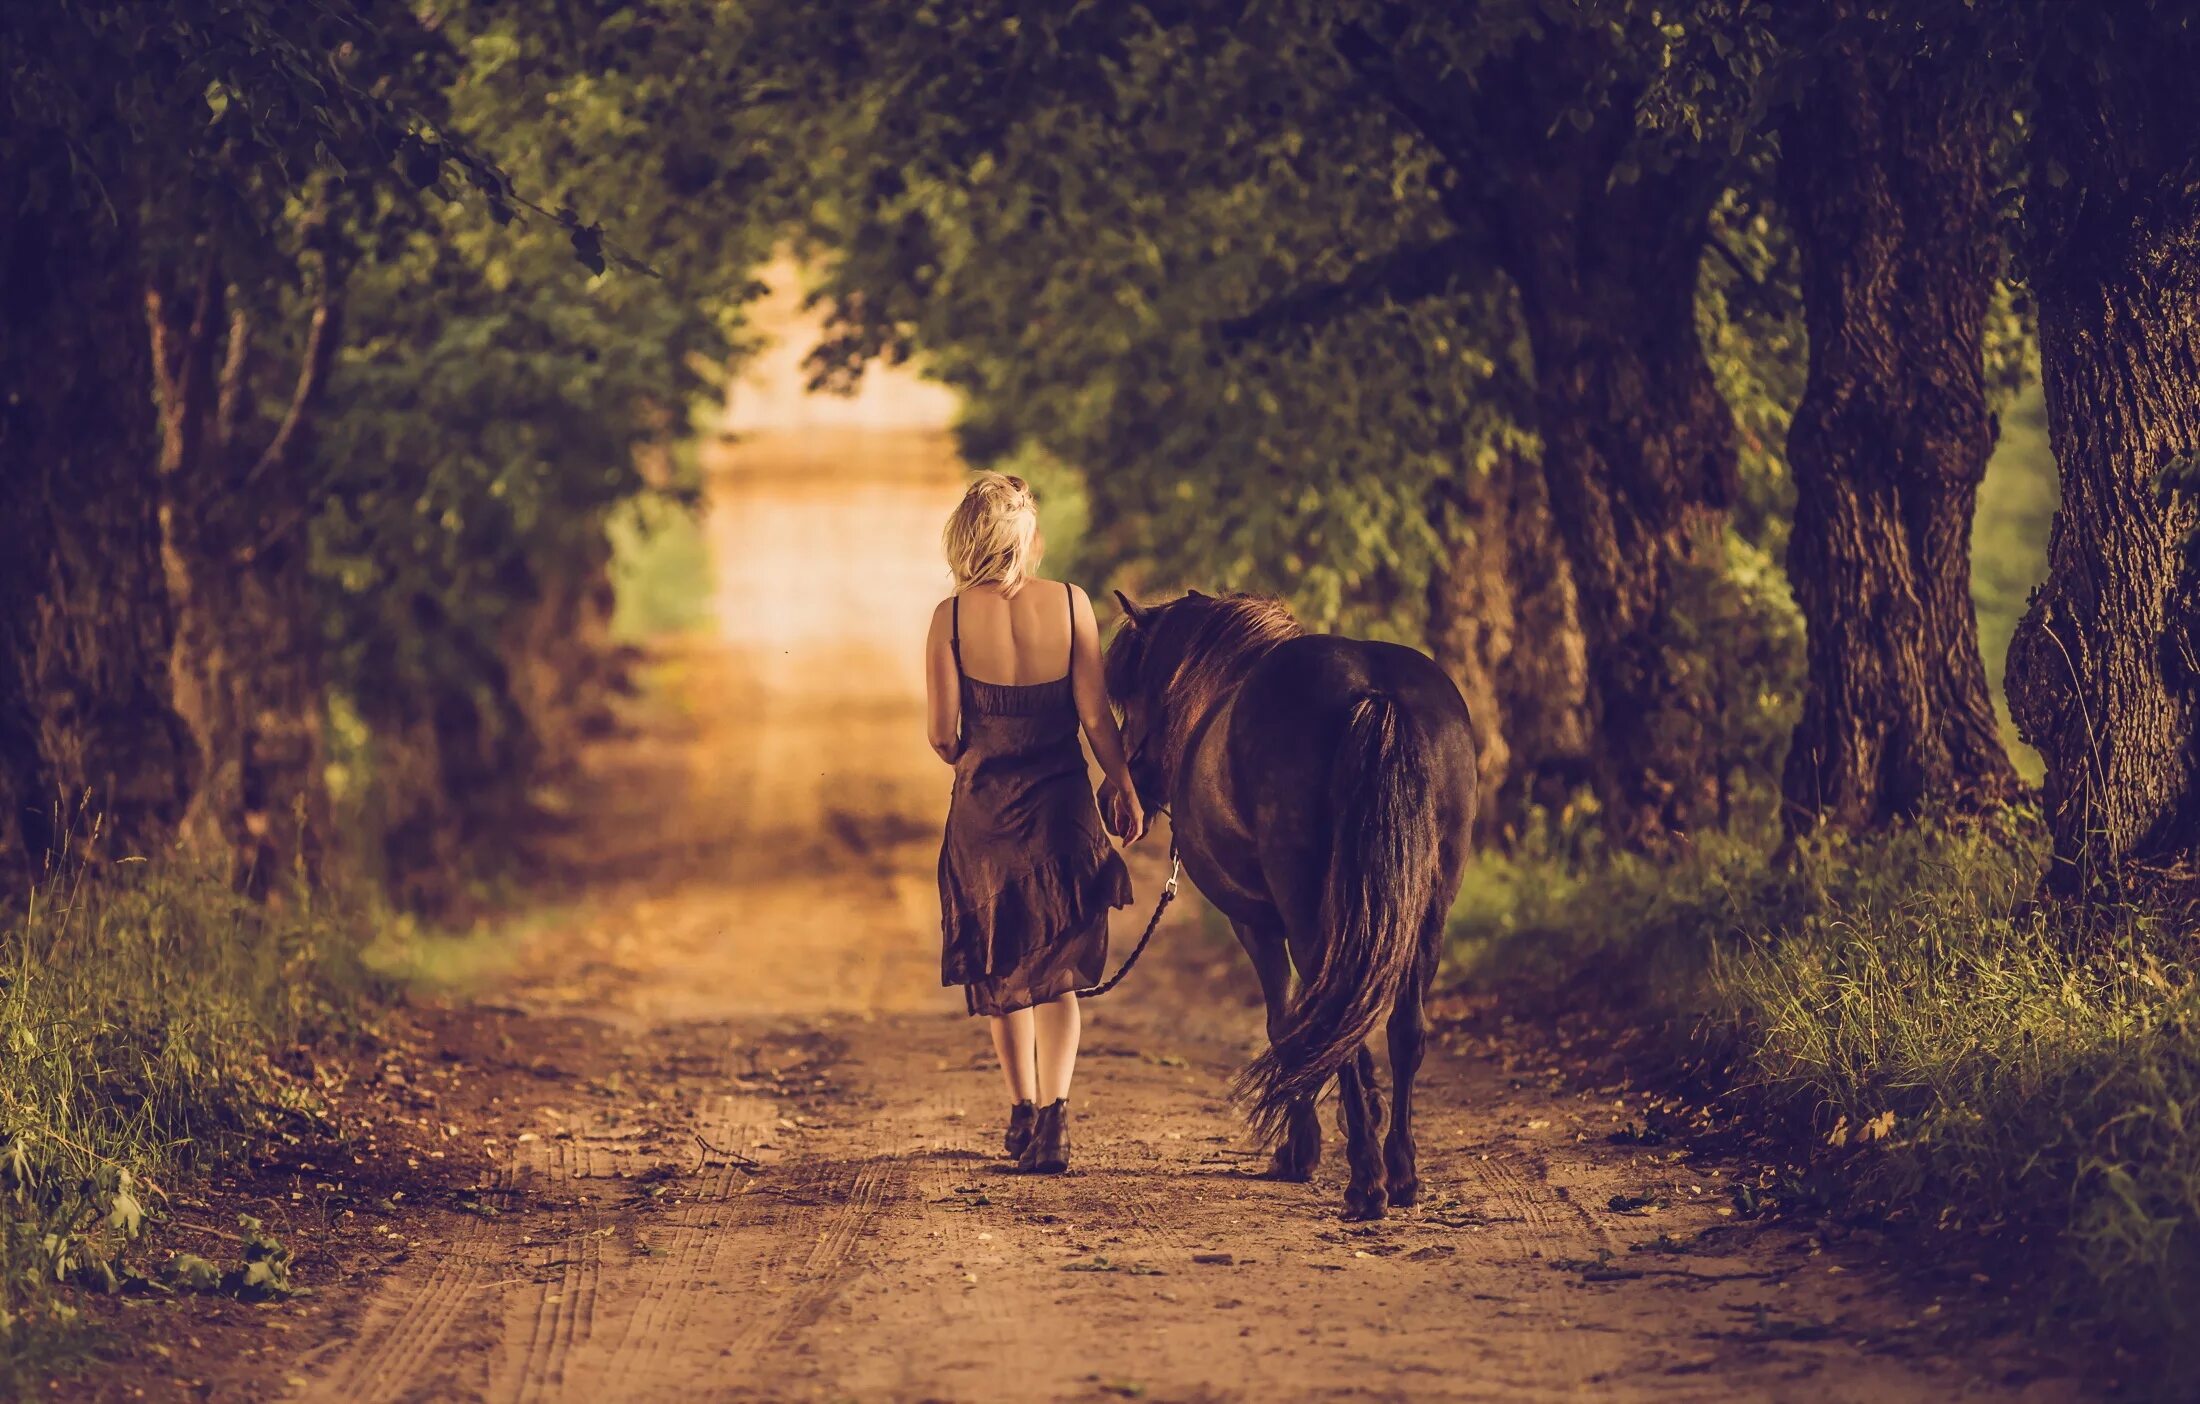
(1301, 1150)
(1401, 1158)
(1360, 1110)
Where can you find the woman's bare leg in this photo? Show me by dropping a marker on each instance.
(1059, 1025)
(1012, 1039)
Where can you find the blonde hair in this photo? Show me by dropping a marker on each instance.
(992, 537)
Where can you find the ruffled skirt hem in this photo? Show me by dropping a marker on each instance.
(1041, 935)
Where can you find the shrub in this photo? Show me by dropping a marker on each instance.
(152, 1024)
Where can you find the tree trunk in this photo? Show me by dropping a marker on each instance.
(1502, 623)
(247, 661)
(87, 730)
(1885, 173)
(556, 646)
(249, 647)
(455, 759)
(1470, 615)
(2105, 667)
(1543, 687)
(1639, 456)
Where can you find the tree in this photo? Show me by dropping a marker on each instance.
(85, 720)
(236, 504)
(1073, 262)
(1533, 111)
(241, 165)
(93, 94)
(1887, 173)
(2104, 673)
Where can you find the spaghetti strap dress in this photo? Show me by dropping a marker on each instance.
(1027, 875)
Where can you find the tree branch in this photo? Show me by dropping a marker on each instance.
(1376, 62)
(1413, 273)
(183, 343)
(322, 339)
(235, 387)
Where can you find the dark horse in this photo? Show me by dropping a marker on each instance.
(1320, 790)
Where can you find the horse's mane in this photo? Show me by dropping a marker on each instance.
(1187, 654)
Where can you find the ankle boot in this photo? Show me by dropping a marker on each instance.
(1020, 1118)
(1048, 1153)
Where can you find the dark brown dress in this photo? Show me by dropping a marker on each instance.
(1026, 871)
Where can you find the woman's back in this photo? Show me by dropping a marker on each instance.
(1015, 640)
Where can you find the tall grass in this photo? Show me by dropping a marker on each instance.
(151, 1024)
(1954, 1057)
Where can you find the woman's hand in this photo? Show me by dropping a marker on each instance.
(1121, 811)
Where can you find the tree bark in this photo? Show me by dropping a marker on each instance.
(1885, 171)
(455, 759)
(1470, 616)
(1639, 456)
(87, 730)
(247, 662)
(1543, 687)
(2105, 667)
(1502, 622)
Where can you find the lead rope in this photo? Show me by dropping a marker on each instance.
(1168, 895)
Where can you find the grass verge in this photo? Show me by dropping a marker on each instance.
(1935, 1050)
(153, 1025)
(660, 560)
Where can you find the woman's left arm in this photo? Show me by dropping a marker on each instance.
(1118, 796)
(942, 689)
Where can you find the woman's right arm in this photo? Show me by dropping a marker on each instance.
(942, 687)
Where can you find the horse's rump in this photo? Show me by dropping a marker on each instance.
(1385, 839)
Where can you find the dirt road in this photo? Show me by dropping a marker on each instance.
(744, 1146)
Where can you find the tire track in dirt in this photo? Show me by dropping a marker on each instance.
(962, 1220)
(1523, 1218)
(398, 1346)
(563, 1311)
(668, 1285)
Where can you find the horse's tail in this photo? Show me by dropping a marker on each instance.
(1375, 899)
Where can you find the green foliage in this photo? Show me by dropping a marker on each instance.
(660, 568)
(2016, 504)
(1742, 628)
(1065, 505)
(1750, 318)
(150, 1019)
(2017, 1081)
(219, 128)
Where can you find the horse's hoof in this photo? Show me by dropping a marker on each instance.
(1363, 1204)
(1404, 1194)
(1283, 1167)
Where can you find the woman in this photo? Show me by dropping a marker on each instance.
(1012, 668)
